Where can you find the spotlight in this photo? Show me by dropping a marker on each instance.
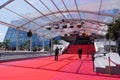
(71, 26)
(65, 35)
(56, 26)
(63, 20)
(75, 32)
(83, 34)
(64, 26)
(79, 25)
(29, 34)
(48, 28)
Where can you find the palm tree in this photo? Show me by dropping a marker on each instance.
(25, 45)
(6, 44)
(1, 45)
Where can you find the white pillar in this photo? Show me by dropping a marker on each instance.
(30, 43)
(51, 45)
(17, 38)
(43, 43)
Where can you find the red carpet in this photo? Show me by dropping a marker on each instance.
(68, 67)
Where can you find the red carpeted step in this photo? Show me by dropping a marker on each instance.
(73, 49)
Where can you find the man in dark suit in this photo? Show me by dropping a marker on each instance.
(118, 48)
(56, 53)
(79, 52)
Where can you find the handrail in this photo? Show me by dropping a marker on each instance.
(114, 62)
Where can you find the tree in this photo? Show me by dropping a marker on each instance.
(1, 45)
(113, 30)
(25, 45)
(6, 44)
(56, 42)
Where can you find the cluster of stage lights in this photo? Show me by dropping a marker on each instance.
(63, 25)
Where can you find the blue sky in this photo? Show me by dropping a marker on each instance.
(3, 30)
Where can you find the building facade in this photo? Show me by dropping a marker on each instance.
(11, 35)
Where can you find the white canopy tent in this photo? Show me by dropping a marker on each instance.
(39, 15)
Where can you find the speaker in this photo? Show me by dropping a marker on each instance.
(29, 34)
(79, 26)
(48, 28)
(63, 20)
(64, 26)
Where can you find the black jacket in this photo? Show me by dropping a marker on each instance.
(56, 51)
(80, 51)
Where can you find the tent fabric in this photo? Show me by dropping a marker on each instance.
(43, 16)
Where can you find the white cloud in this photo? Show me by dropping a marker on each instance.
(1, 34)
(1, 37)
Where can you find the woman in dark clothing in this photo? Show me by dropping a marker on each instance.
(56, 53)
(79, 52)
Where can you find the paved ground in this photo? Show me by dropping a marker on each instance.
(10, 56)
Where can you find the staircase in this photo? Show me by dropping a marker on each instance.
(73, 49)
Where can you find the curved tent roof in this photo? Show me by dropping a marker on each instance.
(47, 17)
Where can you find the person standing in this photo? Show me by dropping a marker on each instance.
(79, 52)
(118, 45)
(56, 53)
